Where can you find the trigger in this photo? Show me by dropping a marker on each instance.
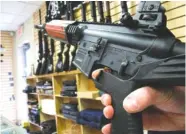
(98, 75)
(97, 79)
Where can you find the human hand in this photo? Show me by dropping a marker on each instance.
(163, 109)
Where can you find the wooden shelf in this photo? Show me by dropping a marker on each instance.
(37, 125)
(74, 72)
(46, 113)
(61, 116)
(66, 97)
(33, 93)
(88, 98)
(31, 77)
(46, 95)
(98, 98)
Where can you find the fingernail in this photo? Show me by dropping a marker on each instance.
(131, 104)
(103, 99)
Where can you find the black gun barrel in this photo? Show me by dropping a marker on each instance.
(40, 27)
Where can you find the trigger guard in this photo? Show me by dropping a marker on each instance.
(97, 83)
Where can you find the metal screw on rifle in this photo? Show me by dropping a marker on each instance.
(151, 7)
(84, 44)
(139, 58)
(124, 63)
(99, 40)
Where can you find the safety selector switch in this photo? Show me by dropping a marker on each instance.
(148, 17)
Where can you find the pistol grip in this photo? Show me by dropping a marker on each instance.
(122, 122)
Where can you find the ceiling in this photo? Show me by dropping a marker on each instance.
(15, 13)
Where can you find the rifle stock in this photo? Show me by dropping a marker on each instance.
(50, 66)
(73, 48)
(59, 64)
(45, 62)
(66, 57)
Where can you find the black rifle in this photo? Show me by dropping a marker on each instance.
(83, 11)
(126, 18)
(73, 48)
(93, 11)
(45, 62)
(67, 46)
(50, 67)
(108, 16)
(100, 11)
(39, 65)
(145, 54)
(48, 16)
(55, 10)
(59, 64)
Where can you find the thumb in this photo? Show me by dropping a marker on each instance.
(140, 99)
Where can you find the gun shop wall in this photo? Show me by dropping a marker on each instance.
(7, 88)
(47, 106)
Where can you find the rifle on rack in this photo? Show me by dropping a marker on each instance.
(83, 11)
(39, 64)
(59, 64)
(141, 51)
(73, 48)
(45, 61)
(67, 46)
(50, 66)
(55, 10)
(100, 11)
(126, 18)
(93, 11)
(108, 18)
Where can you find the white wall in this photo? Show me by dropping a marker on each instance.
(20, 82)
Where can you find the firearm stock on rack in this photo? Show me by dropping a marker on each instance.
(141, 51)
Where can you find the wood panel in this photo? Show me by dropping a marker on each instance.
(6, 39)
